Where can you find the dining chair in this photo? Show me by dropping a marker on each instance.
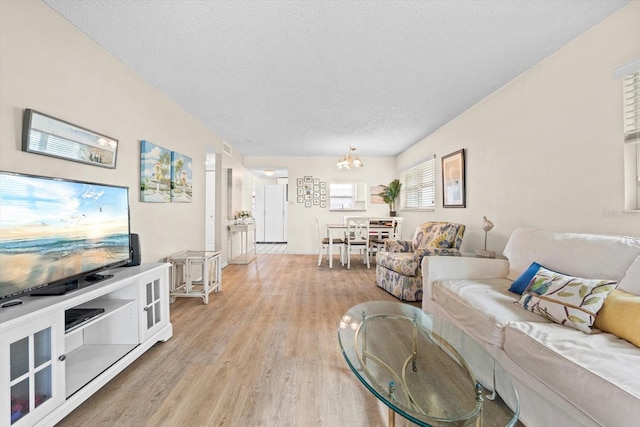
(357, 238)
(377, 241)
(324, 244)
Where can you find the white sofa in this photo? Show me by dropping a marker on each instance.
(564, 377)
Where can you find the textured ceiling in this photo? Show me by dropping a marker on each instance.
(313, 77)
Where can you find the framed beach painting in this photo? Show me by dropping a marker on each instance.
(155, 173)
(453, 180)
(181, 178)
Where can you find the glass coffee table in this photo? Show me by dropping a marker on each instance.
(425, 369)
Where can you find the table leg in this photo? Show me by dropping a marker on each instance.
(392, 418)
(330, 248)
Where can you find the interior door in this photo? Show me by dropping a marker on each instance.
(211, 210)
(260, 212)
(274, 203)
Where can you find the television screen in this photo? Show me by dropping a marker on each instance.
(53, 231)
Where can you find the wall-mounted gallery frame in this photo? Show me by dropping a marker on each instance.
(453, 180)
(49, 136)
(311, 191)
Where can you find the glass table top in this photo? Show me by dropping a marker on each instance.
(424, 368)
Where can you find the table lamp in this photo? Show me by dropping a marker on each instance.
(486, 226)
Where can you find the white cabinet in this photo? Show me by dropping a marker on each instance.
(46, 372)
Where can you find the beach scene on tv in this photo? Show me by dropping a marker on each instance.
(51, 230)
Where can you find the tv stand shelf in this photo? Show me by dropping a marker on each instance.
(51, 371)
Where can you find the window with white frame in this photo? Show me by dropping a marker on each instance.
(419, 186)
(631, 99)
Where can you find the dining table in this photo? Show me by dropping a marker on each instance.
(337, 231)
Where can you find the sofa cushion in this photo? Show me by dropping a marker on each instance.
(440, 234)
(597, 373)
(620, 315)
(631, 280)
(580, 255)
(482, 307)
(567, 300)
(400, 262)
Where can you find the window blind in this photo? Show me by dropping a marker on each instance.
(53, 145)
(419, 186)
(631, 97)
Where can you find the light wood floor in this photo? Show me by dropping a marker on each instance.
(271, 248)
(264, 352)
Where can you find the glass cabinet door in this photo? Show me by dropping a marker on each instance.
(36, 375)
(155, 296)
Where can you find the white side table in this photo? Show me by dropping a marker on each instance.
(195, 274)
(247, 243)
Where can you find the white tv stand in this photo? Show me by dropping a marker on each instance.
(48, 373)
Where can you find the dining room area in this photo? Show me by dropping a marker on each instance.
(360, 237)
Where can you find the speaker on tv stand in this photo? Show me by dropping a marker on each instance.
(136, 256)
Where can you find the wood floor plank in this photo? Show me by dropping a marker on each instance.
(263, 352)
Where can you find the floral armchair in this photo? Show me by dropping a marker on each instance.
(398, 266)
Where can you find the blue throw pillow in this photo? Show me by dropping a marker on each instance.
(520, 284)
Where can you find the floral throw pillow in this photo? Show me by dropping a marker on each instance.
(569, 301)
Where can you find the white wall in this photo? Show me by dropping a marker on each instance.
(302, 234)
(48, 65)
(546, 150)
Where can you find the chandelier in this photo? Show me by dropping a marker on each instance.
(350, 160)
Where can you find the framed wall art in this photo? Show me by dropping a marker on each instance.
(311, 191)
(46, 135)
(155, 173)
(453, 180)
(181, 178)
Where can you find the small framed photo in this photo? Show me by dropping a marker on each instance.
(308, 179)
(316, 202)
(323, 190)
(316, 181)
(299, 182)
(323, 204)
(307, 196)
(300, 199)
(300, 191)
(316, 188)
(323, 197)
(316, 195)
(307, 203)
(323, 184)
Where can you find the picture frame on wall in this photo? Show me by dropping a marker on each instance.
(453, 180)
(299, 182)
(49, 136)
(307, 203)
(308, 179)
(300, 199)
(155, 173)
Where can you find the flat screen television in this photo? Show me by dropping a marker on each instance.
(56, 233)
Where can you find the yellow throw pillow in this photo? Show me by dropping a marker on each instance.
(620, 315)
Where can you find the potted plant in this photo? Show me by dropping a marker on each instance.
(390, 194)
(244, 216)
